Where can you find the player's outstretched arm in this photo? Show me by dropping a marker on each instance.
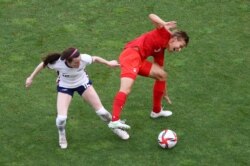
(112, 63)
(33, 74)
(159, 23)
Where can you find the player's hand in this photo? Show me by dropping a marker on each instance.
(57, 80)
(113, 63)
(166, 97)
(28, 82)
(170, 25)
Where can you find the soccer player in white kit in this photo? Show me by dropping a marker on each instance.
(70, 65)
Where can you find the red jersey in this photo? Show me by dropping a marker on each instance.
(151, 43)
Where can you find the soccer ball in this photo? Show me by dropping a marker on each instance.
(167, 139)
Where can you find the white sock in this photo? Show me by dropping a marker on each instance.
(104, 114)
(61, 123)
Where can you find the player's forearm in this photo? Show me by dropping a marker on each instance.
(36, 71)
(100, 60)
(156, 20)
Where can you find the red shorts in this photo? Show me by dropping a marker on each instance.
(132, 64)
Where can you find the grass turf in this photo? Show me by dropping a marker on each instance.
(208, 83)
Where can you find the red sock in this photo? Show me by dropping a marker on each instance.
(158, 91)
(119, 101)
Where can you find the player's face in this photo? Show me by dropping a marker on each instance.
(176, 45)
(75, 63)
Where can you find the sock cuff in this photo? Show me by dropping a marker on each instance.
(121, 95)
(61, 117)
(101, 111)
(160, 82)
(61, 121)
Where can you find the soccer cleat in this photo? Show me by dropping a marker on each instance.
(118, 124)
(121, 133)
(63, 141)
(162, 113)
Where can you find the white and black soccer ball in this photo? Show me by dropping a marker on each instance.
(167, 139)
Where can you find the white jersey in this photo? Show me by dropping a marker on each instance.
(72, 77)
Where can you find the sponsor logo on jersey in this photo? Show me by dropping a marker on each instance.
(65, 75)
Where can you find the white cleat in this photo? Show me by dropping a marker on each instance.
(63, 141)
(118, 124)
(121, 133)
(162, 113)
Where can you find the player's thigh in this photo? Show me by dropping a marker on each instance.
(92, 98)
(63, 102)
(157, 72)
(130, 62)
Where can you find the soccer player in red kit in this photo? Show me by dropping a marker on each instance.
(133, 61)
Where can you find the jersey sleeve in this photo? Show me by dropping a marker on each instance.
(51, 66)
(86, 58)
(163, 32)
(55, 65)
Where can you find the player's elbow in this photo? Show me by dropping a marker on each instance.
(94, 58)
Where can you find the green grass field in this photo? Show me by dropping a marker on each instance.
(209, 83)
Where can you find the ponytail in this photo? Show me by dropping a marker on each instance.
(67, 55)
(51, 58)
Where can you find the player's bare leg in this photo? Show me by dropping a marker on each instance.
(93, 99)
(63, 101)
(160, 89)
(119, 101)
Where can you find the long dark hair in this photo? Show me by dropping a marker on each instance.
(67, 55)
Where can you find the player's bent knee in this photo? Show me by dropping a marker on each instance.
(164, 75)
(161, 76)
(158, 73)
